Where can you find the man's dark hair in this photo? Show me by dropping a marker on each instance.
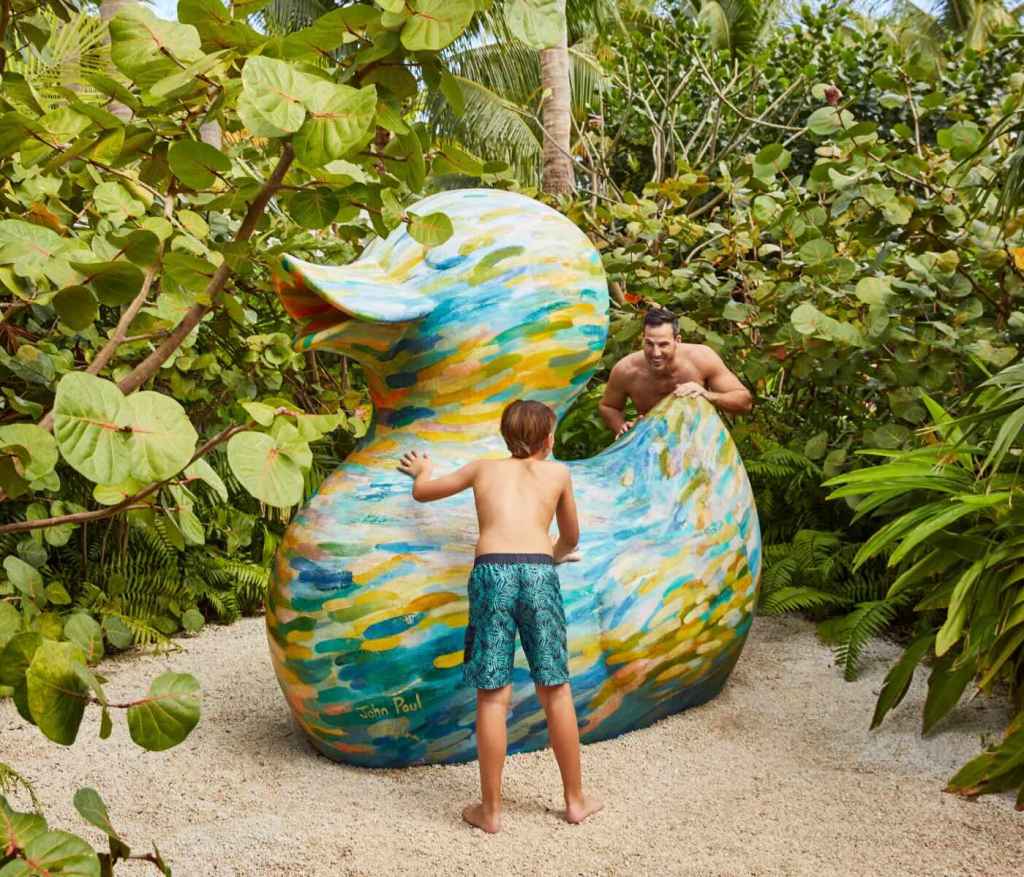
(659, 317)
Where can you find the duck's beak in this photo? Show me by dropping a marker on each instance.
(333, 302)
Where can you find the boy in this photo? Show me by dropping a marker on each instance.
(514, 585)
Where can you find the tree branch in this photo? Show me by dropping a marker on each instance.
(149, 366)
(131, 502)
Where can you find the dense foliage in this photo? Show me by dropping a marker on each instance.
(823, 201)
(827, 212)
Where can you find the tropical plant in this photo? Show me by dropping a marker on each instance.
(952, 526)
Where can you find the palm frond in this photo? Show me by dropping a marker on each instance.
(490, 126)
(74, 49)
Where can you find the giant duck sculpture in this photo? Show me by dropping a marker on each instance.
(367, 605)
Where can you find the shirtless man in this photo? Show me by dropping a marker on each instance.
(667, 365)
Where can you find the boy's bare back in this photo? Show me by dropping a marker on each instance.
(515, 502)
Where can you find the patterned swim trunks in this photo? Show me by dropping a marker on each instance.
(509, 592)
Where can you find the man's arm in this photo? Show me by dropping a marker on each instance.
(568, 521)
(722, 388)
(419, 467)
(613, 402)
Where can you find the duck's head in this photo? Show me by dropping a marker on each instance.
(513, 305)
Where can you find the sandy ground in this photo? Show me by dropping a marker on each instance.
(778, 775)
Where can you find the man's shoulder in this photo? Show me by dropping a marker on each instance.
(700, 353)
(629, 365)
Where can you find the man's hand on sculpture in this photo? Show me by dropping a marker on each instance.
(414, 463)
(691, 389)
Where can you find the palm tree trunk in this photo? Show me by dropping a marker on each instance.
(555, 117)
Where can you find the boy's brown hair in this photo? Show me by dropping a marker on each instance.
(525, 426)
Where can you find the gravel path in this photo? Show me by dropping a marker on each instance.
(778, 775)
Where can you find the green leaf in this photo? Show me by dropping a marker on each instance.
(115, 283)
(83, 630)
(828, 120)
(945, 686)
(76, 306)
(263, 470)
(962, 140)
(90, 806)
(14, 663)
(168, 714)
(25, 578)
(188, 275)
(436, 23)
(193, 223)
(873, 290)
(91, 424)
(431, 230)
(34, 251)
(10, 623)
(23, 406)
(138, 246)
(56, 692)
(314, 208)
(203, 471)
(193, 620)
(816, 446)
(452, 92)
(114, 201)
(538, 23)
(118, 633)
(806, 319)
(197, 165)
(113, 494)
(40, 444)
(191, 527)
(57, 594)
(18, 830)
(272, 102)
(55, 854)
(771, 160)
(106, 725)
(897, 680)
(391, 118)
(816, 251)
(163, 439)
(339, 116)
(145, 47)
(262, 414)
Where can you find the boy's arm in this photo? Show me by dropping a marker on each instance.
(419, 467)
(568, 521)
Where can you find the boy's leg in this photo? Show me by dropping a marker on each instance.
(564, 734)
(491, 744)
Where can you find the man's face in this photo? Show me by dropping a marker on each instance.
(659, 347)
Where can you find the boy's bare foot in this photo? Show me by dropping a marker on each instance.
(474, 814)
(577, 811)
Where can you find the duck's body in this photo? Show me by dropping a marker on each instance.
(367, 607)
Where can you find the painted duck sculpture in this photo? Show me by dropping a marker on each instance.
(367, 607)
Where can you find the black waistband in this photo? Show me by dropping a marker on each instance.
(514, 558)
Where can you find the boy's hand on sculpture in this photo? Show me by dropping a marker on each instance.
(563, 553)
(415, 464)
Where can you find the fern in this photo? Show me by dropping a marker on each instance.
(814, 573)
(11, 781)
(852, 632)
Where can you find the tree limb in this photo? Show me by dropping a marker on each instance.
(131, 502)
(148, 367)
